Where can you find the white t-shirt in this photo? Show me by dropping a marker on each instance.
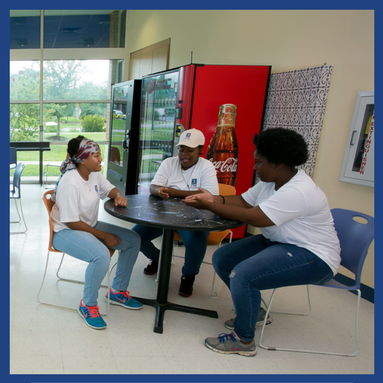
(78, 200)
(202, 174)
(301, 214)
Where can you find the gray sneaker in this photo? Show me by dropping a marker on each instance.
(229, 324)
(230, 344)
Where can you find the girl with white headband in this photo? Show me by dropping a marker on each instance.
(78, 232)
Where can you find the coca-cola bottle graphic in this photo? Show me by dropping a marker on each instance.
(223, 148)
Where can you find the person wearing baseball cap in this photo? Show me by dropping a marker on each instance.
(181, 176)
(192, 138)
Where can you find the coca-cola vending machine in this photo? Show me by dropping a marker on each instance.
(225, 102)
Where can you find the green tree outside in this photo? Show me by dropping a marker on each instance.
(62, 121)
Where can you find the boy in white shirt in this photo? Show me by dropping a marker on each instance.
(181, 176)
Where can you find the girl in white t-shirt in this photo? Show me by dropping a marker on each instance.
(181, 176)
(298, 244)
(77, 231)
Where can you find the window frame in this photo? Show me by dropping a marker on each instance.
(44, 54)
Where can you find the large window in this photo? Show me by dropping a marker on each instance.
(60, 97)
(72, 90)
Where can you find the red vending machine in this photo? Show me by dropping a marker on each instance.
(225, 102)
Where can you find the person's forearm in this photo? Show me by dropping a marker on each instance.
(234, 200)
(181, 193)
(239, 212)
(154, 190)
(82, 226)
(224, 210)
(114, 193)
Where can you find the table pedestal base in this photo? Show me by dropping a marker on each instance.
(162, 307)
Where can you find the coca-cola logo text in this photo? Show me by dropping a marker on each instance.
(229, 165)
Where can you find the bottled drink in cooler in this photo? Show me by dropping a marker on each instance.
(223, 148)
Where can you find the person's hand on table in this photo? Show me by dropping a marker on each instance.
(120, 200)
(199, 200)
(163, 193)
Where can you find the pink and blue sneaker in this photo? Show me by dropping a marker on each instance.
(123, 299)
(91, 316)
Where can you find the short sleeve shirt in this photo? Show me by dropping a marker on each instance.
(301, 215)
(78, 199)
(202, 174)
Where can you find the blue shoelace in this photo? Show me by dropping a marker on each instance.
(226, 337)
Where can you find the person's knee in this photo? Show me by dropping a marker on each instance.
(100, 256)
(194, 239)
(217, 259)
(137, 228)
(133, 238)
(129, 240)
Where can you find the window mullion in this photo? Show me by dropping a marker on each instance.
(41, 130)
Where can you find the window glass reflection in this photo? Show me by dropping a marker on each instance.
(24, 29)
(68, 29)
(24, 80)
(118, 123)
(76, 79)
(364, 138)
(84, 28)
(24, 122)
(63, 121)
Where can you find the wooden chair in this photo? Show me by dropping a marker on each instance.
(47, 199)
(215, 237)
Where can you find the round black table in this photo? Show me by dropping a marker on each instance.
(171, 214)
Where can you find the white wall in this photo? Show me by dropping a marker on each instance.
(286, 40)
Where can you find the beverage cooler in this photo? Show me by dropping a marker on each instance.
(225, 102)
(124, 139)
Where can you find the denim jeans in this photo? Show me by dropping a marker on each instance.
(85, 246)
(255, 263)
(194, 241)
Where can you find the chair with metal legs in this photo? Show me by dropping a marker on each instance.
(215, 237)
(12, 158)
(54, 164)
(355, 239)
(47, 198)
(15, 194)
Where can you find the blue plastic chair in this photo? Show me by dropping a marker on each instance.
(355, 239)
(12, 158)
(15, 194)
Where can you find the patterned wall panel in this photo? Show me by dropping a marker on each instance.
(297, 100)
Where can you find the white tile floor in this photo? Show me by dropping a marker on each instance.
(45, 340)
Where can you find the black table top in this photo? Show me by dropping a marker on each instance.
(171, 213)
(31, 145)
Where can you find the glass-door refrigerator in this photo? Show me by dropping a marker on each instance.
(215, 99)
(159, 133)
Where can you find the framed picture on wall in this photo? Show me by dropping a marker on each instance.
(358, 159)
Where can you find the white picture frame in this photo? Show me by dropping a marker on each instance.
(358, 159)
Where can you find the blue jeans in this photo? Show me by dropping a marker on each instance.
(85, 246)
(255, 263)
(195, 246)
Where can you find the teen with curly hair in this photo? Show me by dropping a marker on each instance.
(298, 244)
